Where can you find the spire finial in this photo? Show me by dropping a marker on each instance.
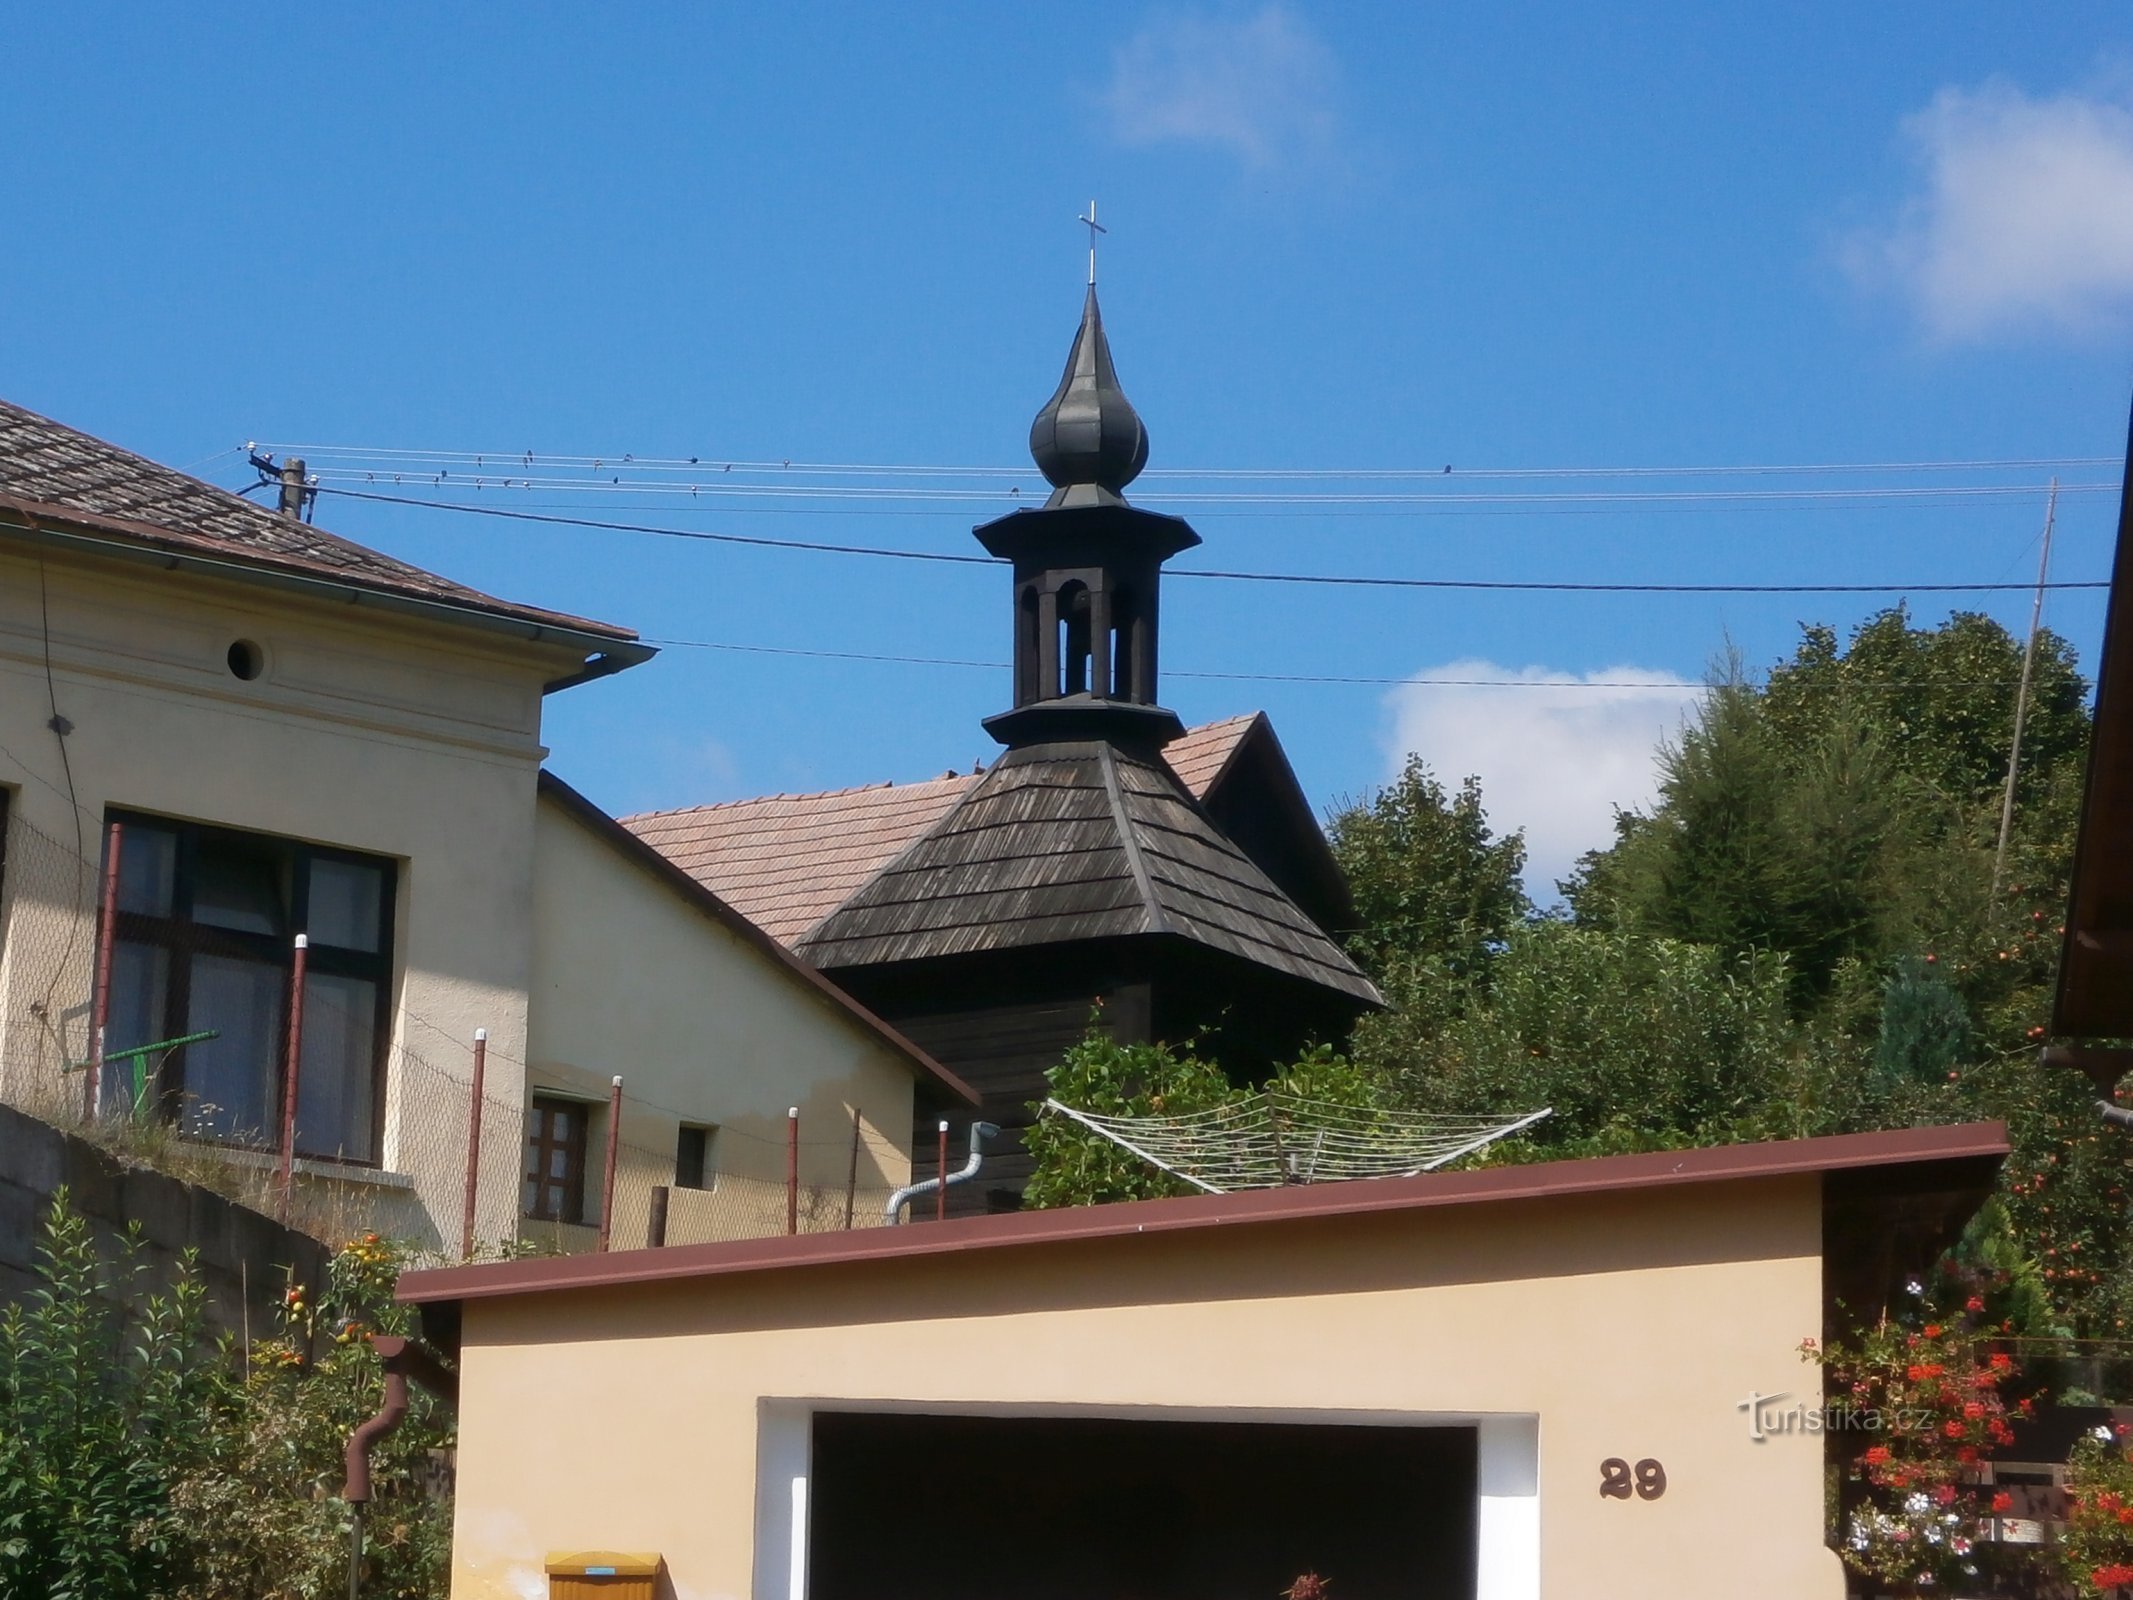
(1094, 228)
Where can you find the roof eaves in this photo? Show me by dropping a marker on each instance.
(635, 849)
(1964, 1154)
(614, 648)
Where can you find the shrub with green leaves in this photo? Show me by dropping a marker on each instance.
(265, 1495)
(1077, 1166)
(140, 1457)
(101, 1411)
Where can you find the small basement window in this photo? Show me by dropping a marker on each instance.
(692, 1157)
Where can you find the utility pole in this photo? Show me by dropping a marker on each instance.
(292, 487)
(2029, 662)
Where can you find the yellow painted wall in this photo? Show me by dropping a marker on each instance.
(631, 979)
(366, 731)
(1631, 1325)
(420, 742)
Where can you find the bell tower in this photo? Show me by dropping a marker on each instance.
(1087, 568)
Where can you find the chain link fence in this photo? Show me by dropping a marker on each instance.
(150, 1098)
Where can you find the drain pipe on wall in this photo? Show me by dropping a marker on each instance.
(892, 1213)
(403, 1359)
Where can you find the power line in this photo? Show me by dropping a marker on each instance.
(847, 495)
(482, 461)
(762, 541)
(1509, 506)
(1658, 687)
(698, 534)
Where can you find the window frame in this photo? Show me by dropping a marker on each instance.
(182, 938)
(706, 1142)
(579, 1112)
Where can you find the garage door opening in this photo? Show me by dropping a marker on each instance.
(912, 1507)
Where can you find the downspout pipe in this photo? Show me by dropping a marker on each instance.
(893, 1212)
(403, 1359)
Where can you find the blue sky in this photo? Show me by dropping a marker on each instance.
(1364, 236)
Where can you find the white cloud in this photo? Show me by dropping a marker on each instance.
(1556, 759)
(2024, 218)
(1260, 85)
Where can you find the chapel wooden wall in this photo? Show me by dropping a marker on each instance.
(1003, 1052)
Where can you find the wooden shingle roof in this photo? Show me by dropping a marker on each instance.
(1077, 841)
(786, 861)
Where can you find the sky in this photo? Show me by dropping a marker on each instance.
(1342, 240)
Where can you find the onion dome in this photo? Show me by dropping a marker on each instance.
(1088, 436)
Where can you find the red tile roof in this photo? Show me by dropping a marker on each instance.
(786, 861)
(1199, 757)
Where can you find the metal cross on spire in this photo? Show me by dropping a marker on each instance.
(1094, 228)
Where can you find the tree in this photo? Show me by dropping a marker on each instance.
(1848, 809)
(1633, 1041)
(1944, 700)
(1433, 885)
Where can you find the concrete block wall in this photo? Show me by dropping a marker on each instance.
(244, 1257)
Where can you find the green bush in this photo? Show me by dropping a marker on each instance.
(139, 1457)
(100, 1413)
(1077, 1166)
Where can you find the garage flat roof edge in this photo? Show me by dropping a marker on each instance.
(1961, 1147)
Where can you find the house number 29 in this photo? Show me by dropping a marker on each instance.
(1619, 1480)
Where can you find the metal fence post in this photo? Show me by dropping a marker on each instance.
(792, 1169)
(106, 936)
(940, 1195)
(466, 1221)
(292, 1062)
(851, 1174)
(607, 1183)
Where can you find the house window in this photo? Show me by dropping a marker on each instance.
(554, 1188)
(205, 933)
(692, 1157)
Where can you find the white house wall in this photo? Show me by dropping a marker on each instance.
(632, 978)
(394, 737)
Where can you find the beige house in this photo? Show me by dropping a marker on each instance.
(1576, 1379)
(274, 732)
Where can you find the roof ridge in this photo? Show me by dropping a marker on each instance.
(1129, 841)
